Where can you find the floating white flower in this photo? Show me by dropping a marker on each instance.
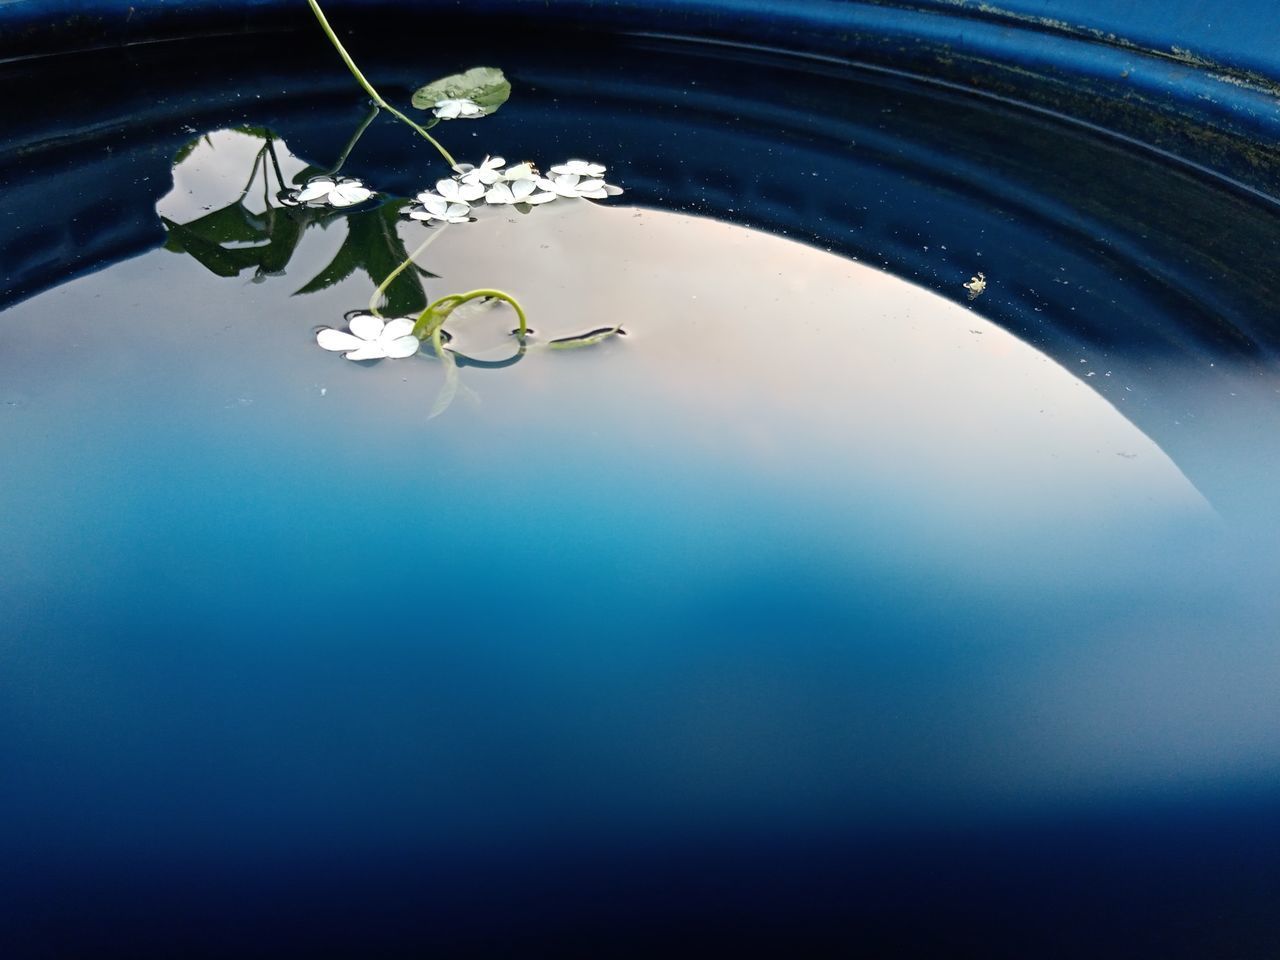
(573, 185)
(583, 168)
(456, 191)
(328, 192)
(454, 109)
(450, 204)
(372, 338)
(518, 191)
(488, 173)
(438, 208)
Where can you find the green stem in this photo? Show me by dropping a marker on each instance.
(428, 323)
(253, 174)
(382, 287)
(368, 87)
(355, 138)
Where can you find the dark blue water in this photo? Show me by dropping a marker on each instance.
(826, 611)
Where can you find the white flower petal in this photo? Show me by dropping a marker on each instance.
(434, 205)
(401, 347)
(349, 192)
(446, 109)
(611, 190)
(564, 184)
(332, 339)
(468, 192)
(458, 212)
(543, 197)
(315, 189)
(499, 193)
(520, 189)
(370, 351)
(580, 167)
(366, 326)
(399, 327)
(521, 171)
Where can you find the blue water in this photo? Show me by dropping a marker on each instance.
(818, 613)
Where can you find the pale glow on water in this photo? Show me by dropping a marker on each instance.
(809, 550)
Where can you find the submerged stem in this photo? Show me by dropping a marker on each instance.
(368, 87)
(382, 287)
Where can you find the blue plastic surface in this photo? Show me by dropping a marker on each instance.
(1196, 80)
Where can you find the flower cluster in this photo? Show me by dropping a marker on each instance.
(327, 191)
(371, 338)
(496, 184)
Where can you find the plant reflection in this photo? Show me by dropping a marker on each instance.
(257, 231)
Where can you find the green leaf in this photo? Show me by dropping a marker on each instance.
(485, 86)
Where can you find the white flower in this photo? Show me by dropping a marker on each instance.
(572, 185)
(371, 338)
(438, 208)
(521, 171)
(451, 203)
(455, 191)
(583, 168)
(488, 173)
(453, 109)
(328, 192)
(517, 191)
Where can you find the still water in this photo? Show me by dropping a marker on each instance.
(819, 608)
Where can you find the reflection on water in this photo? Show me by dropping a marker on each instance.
(811, 554)
(225, 211)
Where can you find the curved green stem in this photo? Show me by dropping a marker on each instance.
(374, 109)
(368, 87)
(433, 318)
(382, 287)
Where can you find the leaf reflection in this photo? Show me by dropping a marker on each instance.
(249, 229)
